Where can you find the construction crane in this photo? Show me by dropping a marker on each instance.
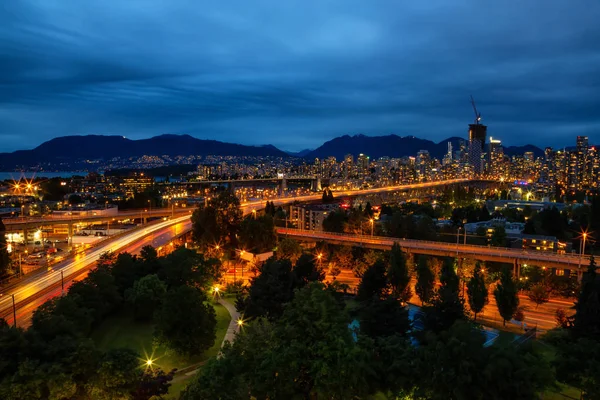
(477, 114)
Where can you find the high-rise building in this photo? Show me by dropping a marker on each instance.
(423, 165)
(477, 134)
(495, 157)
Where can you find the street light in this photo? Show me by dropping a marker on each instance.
(582, 249)
(240, 322)
(457, 239)
(372, 221)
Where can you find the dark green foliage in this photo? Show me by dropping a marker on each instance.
(218, 222)
(12, 349)
(398, 274)
(289, 248)
(4, 256)
(327, 195)
(257, 234)
(97, 293)
(335, 222)
(447, 306)
(146, 296)
(577, 363)
(506, 295)
(187, 267)
(126, 269)
(185, 322)
(424, 288)
(477, 291)
(587, 316)
(61, 316)
(308, 353)
(205, 229)
(270, 290)
(539, 294)
(383, 318)
(117, 376)
(455, 365)
(374, 283)
(307, 270)
(498, 237)
(153, 383)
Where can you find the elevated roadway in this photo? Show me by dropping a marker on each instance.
(516, 257)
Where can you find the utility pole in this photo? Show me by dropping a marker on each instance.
(62, 282)
(14, 312)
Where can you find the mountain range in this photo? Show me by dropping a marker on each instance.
(66, 150)
(397, 146)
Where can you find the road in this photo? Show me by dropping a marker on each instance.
(542, 316)
(29, 293)
(33, 291)
(484, 253)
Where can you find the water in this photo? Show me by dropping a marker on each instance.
(16, 175)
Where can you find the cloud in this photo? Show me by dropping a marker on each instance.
(296, 74)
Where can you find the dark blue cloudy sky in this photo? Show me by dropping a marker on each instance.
(297, 73)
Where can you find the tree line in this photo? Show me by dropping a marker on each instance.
(55, 358)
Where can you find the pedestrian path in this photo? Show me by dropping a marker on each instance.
(233, 324)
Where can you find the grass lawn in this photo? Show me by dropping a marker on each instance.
(121, 330)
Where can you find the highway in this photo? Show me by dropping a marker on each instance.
(484, 253)
(30, 288)
(33, 290)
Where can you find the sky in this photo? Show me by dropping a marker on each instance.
(297, 73)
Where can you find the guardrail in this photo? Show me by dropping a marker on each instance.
(470, 249)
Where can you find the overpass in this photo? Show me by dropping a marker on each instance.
(516, 257)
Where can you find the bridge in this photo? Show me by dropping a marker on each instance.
(516, 257)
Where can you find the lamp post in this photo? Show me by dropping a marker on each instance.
(582, 250)
(457, 239)
(372, 221)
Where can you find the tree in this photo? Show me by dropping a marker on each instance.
(477, 291)
(383, 318)
(577, 364)
(425, 280)
(125, 271)
(327, 195)
(290, 249)
(229, 215)
(455, 365)
(447, 306)
(153, 384)
(257, 234)
(146, 296)
(586, 322)
(12, 349)
(308, 353)
(335, 221)
(218, 222)
(97, 293)
(306, 271)
(4, 256)
(506, 295)
(398, 274)
(539, 294)
(205, 228)
(187, 267)
(270, 290)
(374, 283)
(343, 257)
(498, 236)
(117, 375)
(185, 322)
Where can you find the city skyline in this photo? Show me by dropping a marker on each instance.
(296, 77)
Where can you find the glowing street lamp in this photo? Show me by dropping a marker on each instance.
(372, 221)
(240, 322)
(149, 362)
